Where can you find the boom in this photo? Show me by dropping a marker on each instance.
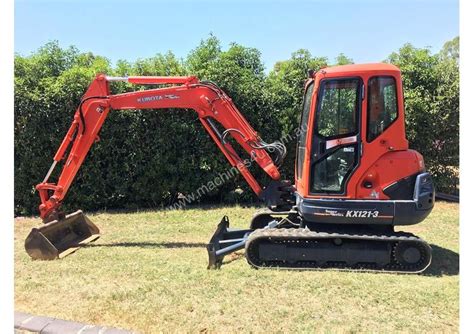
(211, 104)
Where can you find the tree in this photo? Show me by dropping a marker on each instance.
(451, 49)
(239, 71)
(342, 59)
(48, 86)
(285, 91)
(146, 158)
(431, 87)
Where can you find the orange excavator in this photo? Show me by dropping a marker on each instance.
(355, 177)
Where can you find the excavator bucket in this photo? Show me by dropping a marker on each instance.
(60, 238)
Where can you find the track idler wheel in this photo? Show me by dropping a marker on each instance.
(409, 253)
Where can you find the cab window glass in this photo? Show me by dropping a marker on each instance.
(382, 105)
(303, 129)
(330, 175)
(338, 109)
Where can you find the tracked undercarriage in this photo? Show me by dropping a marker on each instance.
(317, 235)
(301, 248)
(296, 248)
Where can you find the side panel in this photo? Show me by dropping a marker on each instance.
(389, 169)
(371, 212)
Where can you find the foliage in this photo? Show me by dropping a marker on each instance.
(431, 87)
(148, 158)
(48, 85)
(342, 59)
(285, 90)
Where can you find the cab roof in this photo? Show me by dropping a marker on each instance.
(358, 68)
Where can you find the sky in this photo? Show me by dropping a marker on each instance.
(364, 30)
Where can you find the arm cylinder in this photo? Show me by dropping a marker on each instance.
(66, 141)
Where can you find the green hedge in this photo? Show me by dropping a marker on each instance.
(151, 158)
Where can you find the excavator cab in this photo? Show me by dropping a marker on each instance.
(345, 109)
(354, 149)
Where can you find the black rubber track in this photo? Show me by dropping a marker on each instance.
(305, 238)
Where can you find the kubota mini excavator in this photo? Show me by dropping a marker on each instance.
(355, 177)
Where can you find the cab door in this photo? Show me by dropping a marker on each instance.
(336, 142)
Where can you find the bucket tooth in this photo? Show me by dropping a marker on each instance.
(60, 238)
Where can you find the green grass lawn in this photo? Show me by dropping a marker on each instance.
(148, 273)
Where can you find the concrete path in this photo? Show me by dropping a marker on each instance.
(47, 325)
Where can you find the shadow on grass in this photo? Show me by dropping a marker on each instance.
(152, 244)
(444, 262)
(228, 259)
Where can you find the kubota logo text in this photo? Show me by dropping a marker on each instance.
(156, 98)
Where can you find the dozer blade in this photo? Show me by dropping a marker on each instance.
(60, 238)
(225, 241)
